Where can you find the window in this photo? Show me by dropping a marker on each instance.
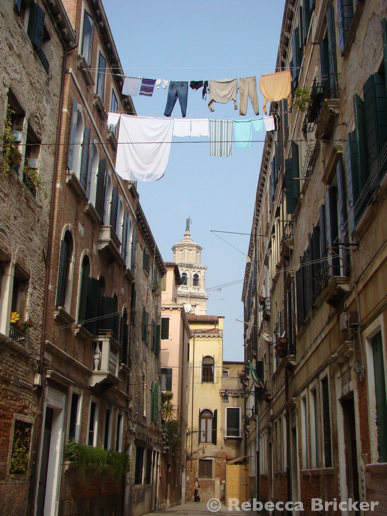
(145, 260)
(327, 447)
(93, 424)
(20, 455)
(87, 37)
(107, 200)
(119, 426)
(304, 433)
(77, 135)
(208, 370)
(38, 33)
(225, 373)
(63, 293)
(233, 422)
(314, 444)
(75, 420)
(165, 328)
(20, 293)
(328, 58)
(184, 278)
(164, 283)
(113, 109)
(139, 465)
(155, 403)
(205, 468)
(101, 77)
(145, 326)
(148, 474)
(93, 169)
(345, 12)
(84, 281)
(31, 162)
(196, 280)
(108, 430)
(125, 238)
(166, 379)
(206, 426)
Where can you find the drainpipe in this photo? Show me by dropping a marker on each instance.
(38, 443)
(256, 402)
(192, 405)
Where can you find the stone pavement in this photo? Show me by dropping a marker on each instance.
(200, 508)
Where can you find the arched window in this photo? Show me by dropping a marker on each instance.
(107, 201)
(184, 278)
(205, 426)
(79, 135)
(208, 370)
(84, 279)
(63, 293)
(92, 181)
(196, 280)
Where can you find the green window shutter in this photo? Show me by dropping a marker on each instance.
(332, 58)
(133, 301)
(73, 129)
(62, 274)
(100, 194)
(271, 193)
(93, 295)
(384, 37)
(83, 293)
(36, 25)
(291, 201)
(351, 169)
(158, 336)
(164, 327)
(342, 210)
(133, 250)
(361, 140)
(153, 336)
(215, 427)
(114, 208)
(124, 243)
(324, 60)
(110, 321)
(316, 266)
(301, 26)
(85, 157)
(125, 344)
(332, 231)
(307, 16)
(300, 296)
(307, 282)
(155, 403)
(89, 175)
(285, 109)
(375, 110)
(296, 171)
(380, 395)
(296, 57)
(344, 18)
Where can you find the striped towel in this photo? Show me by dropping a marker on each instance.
(147, 87)
(221, 138)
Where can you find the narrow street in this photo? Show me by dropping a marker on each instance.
(200, 508)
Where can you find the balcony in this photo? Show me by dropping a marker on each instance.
(322, 107)
(105, 365)
(287, 240)
(333, 287)
(109, 244)
(17, 335)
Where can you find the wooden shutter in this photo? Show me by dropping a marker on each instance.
(158, 337)
(155, 403)
(18, 5)
(125, 344)
(307, 16)
(114, 208)
(353, 188)
(332, 231)
(344, 18)
(296, 171)
(83, 293)
(260, 370)
(93, 295)
(375, 110)
(296, 57)
(100, 194)
(85, 157)
(343, 218)
(271, 193)
(316, 266)
(133, 250)
(133, 302)
(36, 25)
(324, 60)
(214, 427)
(62, 274)
(300, 296)
(90, 172)
(332, 58)
(73, 130)
(291, 201)
(361, 140)
(380, 395)
(301, 25)
(124, 243)
(200, 429)
(384, 37)
(308, 282)
(110, 321)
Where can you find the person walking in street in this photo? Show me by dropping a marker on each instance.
(196, 491)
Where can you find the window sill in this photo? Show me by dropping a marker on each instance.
(61, 315)
(73, 182)
(92, 213)
(99, 105)
(19, 347)
(112, 139)
(232, 437)
(83, 66)
(82, 332)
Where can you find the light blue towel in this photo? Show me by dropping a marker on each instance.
(259, 125)
(243, 133)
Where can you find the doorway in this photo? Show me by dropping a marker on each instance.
(350, 447)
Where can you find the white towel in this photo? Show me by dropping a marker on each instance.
(199, 127)
(113, 118)
(182, 127)
(147, 161)
(269, 123)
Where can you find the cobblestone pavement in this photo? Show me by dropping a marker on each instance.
(200, 508)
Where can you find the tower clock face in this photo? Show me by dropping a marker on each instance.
(187, 308)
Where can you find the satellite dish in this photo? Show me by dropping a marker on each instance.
(266, 337)
(187, 308)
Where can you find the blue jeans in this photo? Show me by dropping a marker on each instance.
(176, 90)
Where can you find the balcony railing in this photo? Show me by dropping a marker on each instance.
(17, 335)
(105, 362)
(320, 91)
(287, 239)
(109, 244)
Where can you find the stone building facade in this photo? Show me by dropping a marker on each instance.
(34, 39)
(314, 296)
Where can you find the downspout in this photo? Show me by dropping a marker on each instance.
(34, 485)
(256, 401)
(192, 404)
(288, 470)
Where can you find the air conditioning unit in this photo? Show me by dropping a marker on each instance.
(33, 162)
(17, 136)
(348, 320)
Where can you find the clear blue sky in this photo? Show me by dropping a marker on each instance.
(213, 39)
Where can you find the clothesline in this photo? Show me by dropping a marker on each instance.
(107, 72)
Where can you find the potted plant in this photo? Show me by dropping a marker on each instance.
(301, 99)
(18, 325)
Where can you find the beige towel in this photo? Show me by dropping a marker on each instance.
(276, 86)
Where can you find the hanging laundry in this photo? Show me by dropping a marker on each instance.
(221, 138)
(269, 123)
(277, 121)
(223, 91)
(147, 87)
(182, 127)
(248, 89)
(113, 118)
(158, 84)
(258, 125)
(199, 127)
(275, 87)
(131, 86)
(243, 130)
(196, 85)
(177, 90)
(144, 146)
(165, 84)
